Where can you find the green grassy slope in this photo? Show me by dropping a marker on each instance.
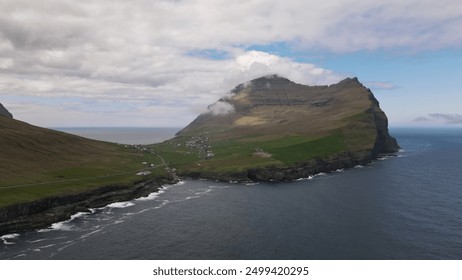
(37, 162)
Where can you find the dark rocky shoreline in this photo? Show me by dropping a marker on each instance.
(285, 174)
(44, 212)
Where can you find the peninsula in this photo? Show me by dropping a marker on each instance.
(268, 129)
(274, 129)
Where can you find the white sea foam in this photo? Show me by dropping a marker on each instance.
(8, 237)
(78, 215)
(36, 241)
(339, 170)
(306, 178)
(124, 204)
(90, 233)
(359, 166)
(202, 192)
(63, 226)
(252, 184)
(151, 196)
(154, 195)
(47, 246)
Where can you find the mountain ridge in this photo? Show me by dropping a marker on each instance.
(272, 123)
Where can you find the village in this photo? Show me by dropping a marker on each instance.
(201, 145)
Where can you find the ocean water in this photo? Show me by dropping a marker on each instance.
(408, 206)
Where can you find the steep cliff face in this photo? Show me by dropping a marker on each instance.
(4, 112)
(274, 129)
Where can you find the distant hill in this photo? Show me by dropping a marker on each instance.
(38, 159)
(4, 112)
(46, 176)
(272, 123)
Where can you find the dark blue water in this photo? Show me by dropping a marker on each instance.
(403, 207)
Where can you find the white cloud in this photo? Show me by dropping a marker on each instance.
(137, 54)
(221, 108)
(446, 118)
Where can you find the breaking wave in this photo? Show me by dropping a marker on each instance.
(8, 237)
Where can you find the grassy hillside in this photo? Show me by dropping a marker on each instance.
(275, 122)
(37, 162)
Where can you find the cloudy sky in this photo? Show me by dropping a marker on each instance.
(161, 62)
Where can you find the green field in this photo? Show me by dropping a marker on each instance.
(239, 154)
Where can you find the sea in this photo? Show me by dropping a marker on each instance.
(404, 206)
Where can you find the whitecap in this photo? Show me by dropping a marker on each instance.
(306, 178)
(90, 233)
(160, 191)
(7, 238)
(252, 184)
(124, 204)
(63, 226)
(359, 166)
(151, 196)
(339, 170)
(47, 246)
(205, 191)
(78, 215)
(36, 241)
(178, 184)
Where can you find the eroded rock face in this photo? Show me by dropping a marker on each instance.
(4, 112)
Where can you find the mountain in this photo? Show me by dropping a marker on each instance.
(4, 112)
(272, 123)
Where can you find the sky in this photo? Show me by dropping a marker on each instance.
(142, 63)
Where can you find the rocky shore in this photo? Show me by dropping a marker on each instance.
(42, 213)
(275, 173)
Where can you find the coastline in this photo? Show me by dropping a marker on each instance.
(295, 172)
(42, 213)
